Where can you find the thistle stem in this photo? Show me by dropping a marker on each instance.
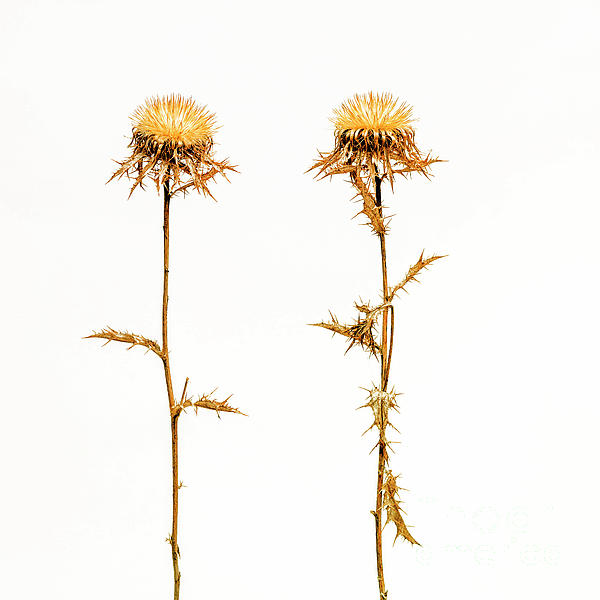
(173, 414)
(385, 356)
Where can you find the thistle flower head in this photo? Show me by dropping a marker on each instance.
(374, 133)
(371, 116)
(172, 143)
(174, 120)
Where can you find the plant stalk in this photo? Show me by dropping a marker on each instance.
(174, 415)
(385, 357)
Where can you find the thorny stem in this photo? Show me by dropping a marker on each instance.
(173, 414)
(385, 370)
(391, 345)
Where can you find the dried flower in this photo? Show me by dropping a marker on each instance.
(172, 145)
(172, 142)
(373, 133)
(375, 140)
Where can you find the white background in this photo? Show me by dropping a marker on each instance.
(496, 350)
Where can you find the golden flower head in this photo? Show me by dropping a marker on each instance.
(172, 142)
(373, 132)
(372, 119)
(174, 120)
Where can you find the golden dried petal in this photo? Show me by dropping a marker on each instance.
(377, 113)
(174, 120)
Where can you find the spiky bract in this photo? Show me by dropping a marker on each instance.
(374, 133)
(172, 141)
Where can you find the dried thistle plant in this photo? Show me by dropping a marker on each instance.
(172, 145)
(375, 140)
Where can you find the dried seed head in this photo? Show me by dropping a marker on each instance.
(174, 120)
(172, 141)
(371, 121)
(373, 132)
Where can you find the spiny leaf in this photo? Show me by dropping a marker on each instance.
(370, 208)
(391, 503)
(412, 273)
(419, 166)
(341, 170)
(381, 403)
(111, 335)
(205, 401)
(361, 332)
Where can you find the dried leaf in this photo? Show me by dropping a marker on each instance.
(391, 503)
(370, 208)
(361, 332)
(420, 165)
(381, 403)
(412, 273)
(205, 401)
(111, 335)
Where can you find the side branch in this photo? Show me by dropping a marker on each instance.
(133, 339)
